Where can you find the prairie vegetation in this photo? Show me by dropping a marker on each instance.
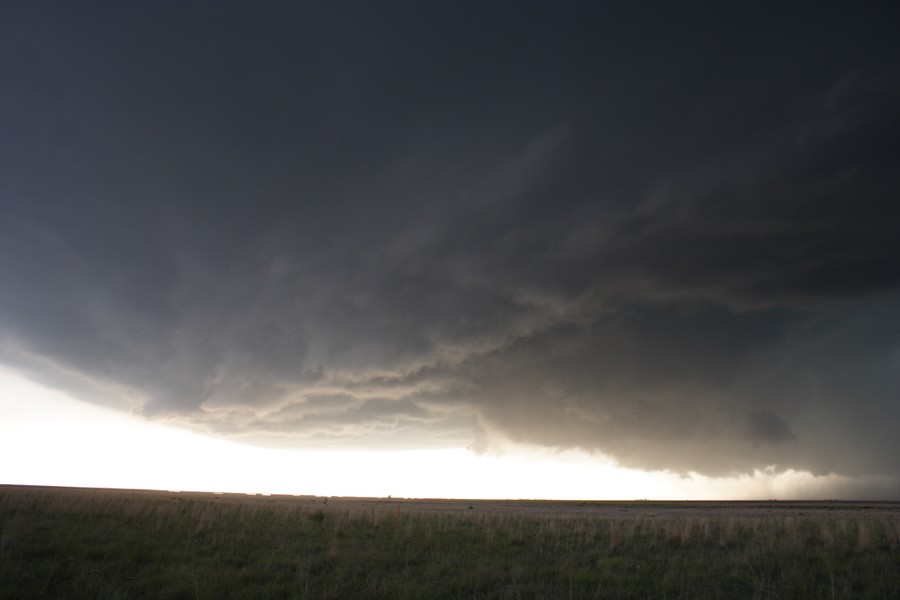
(59, 543)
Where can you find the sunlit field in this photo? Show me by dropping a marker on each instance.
(76, 543)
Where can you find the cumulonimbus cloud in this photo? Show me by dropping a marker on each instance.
(299, 244)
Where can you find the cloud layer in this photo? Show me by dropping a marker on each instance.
(668, 235)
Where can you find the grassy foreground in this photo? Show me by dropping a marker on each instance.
(57, 543)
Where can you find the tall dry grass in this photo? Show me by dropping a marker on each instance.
(93, 544)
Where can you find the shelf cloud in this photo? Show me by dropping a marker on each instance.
(666, 234)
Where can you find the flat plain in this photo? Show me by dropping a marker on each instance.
(87, 543)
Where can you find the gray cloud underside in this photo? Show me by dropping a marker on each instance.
(667, 237)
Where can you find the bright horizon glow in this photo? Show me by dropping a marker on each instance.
(53, 439)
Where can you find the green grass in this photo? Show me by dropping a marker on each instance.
(115, 545)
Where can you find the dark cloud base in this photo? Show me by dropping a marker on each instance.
(670, 237)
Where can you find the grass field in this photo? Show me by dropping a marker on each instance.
(67, 543)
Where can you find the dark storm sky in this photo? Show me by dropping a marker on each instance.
(668, 232)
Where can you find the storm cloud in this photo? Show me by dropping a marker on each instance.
(664, 233)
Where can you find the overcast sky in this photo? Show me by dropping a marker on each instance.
(668, 233)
